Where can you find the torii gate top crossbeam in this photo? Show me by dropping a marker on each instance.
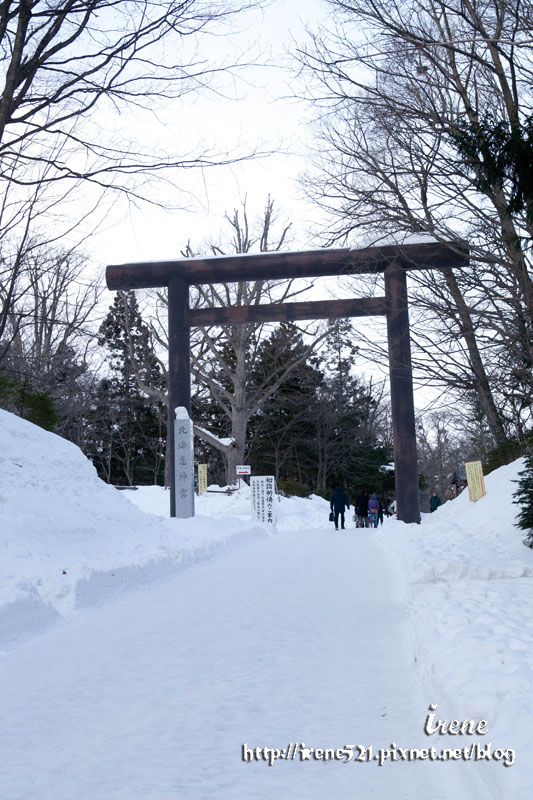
(276, 265)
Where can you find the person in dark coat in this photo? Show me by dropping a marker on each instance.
(361, 510)
(339, 501)
(434, 502)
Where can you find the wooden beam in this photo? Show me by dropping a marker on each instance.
(279, 266)
(288, 312)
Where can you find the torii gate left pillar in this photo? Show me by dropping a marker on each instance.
(179, 369)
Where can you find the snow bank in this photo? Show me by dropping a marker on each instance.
(470, 583)
(292, 514)
(67, 539)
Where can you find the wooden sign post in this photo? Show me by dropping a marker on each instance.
(392, 260)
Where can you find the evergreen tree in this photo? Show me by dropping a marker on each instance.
(36, 407)
(500, 152)
(281, 433)
(128, 429)
(524, 497)
(320, 425)
(345, 416)
(21, 398)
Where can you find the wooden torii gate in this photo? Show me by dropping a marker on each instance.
(392, 260)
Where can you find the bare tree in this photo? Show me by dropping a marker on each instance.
(395, 84)
(76, 77)
(53, 314)
(49, 336)
(64, 61)
(222, 357)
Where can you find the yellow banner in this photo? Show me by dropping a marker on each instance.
(202, 478)
(474, 478)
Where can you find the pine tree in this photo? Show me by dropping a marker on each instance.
(524, 497)
(281, 434)
(319, 426)
(128, 428)
(348, 446)
(37, 407)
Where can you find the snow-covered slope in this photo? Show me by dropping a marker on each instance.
(470, 582)
(68, 539)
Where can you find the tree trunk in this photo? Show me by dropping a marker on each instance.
(481, 380)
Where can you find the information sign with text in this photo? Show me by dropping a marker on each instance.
(263, 495)
(202, 478)
(474, 479)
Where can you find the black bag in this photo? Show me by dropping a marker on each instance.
(331, 516)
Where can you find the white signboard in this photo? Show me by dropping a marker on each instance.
(184, 464)
(242, 469)
(263, 496)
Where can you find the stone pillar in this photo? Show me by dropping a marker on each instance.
(183, 465)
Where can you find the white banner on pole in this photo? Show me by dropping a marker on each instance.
(263, 496)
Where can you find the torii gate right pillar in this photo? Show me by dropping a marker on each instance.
(401, 389)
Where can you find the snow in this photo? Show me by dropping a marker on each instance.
(378, 239)
(68, 539)
(292, 514)
(139, 653)
(245, 256)
(225, 441)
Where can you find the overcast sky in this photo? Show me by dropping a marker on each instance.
(255, 109)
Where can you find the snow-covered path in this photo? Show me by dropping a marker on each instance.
(301, 638)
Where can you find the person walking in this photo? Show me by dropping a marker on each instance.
(339, 501)
(373, 510)
(434, 502)
(361, 510)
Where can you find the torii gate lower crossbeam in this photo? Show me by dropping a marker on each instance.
(392, 260)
